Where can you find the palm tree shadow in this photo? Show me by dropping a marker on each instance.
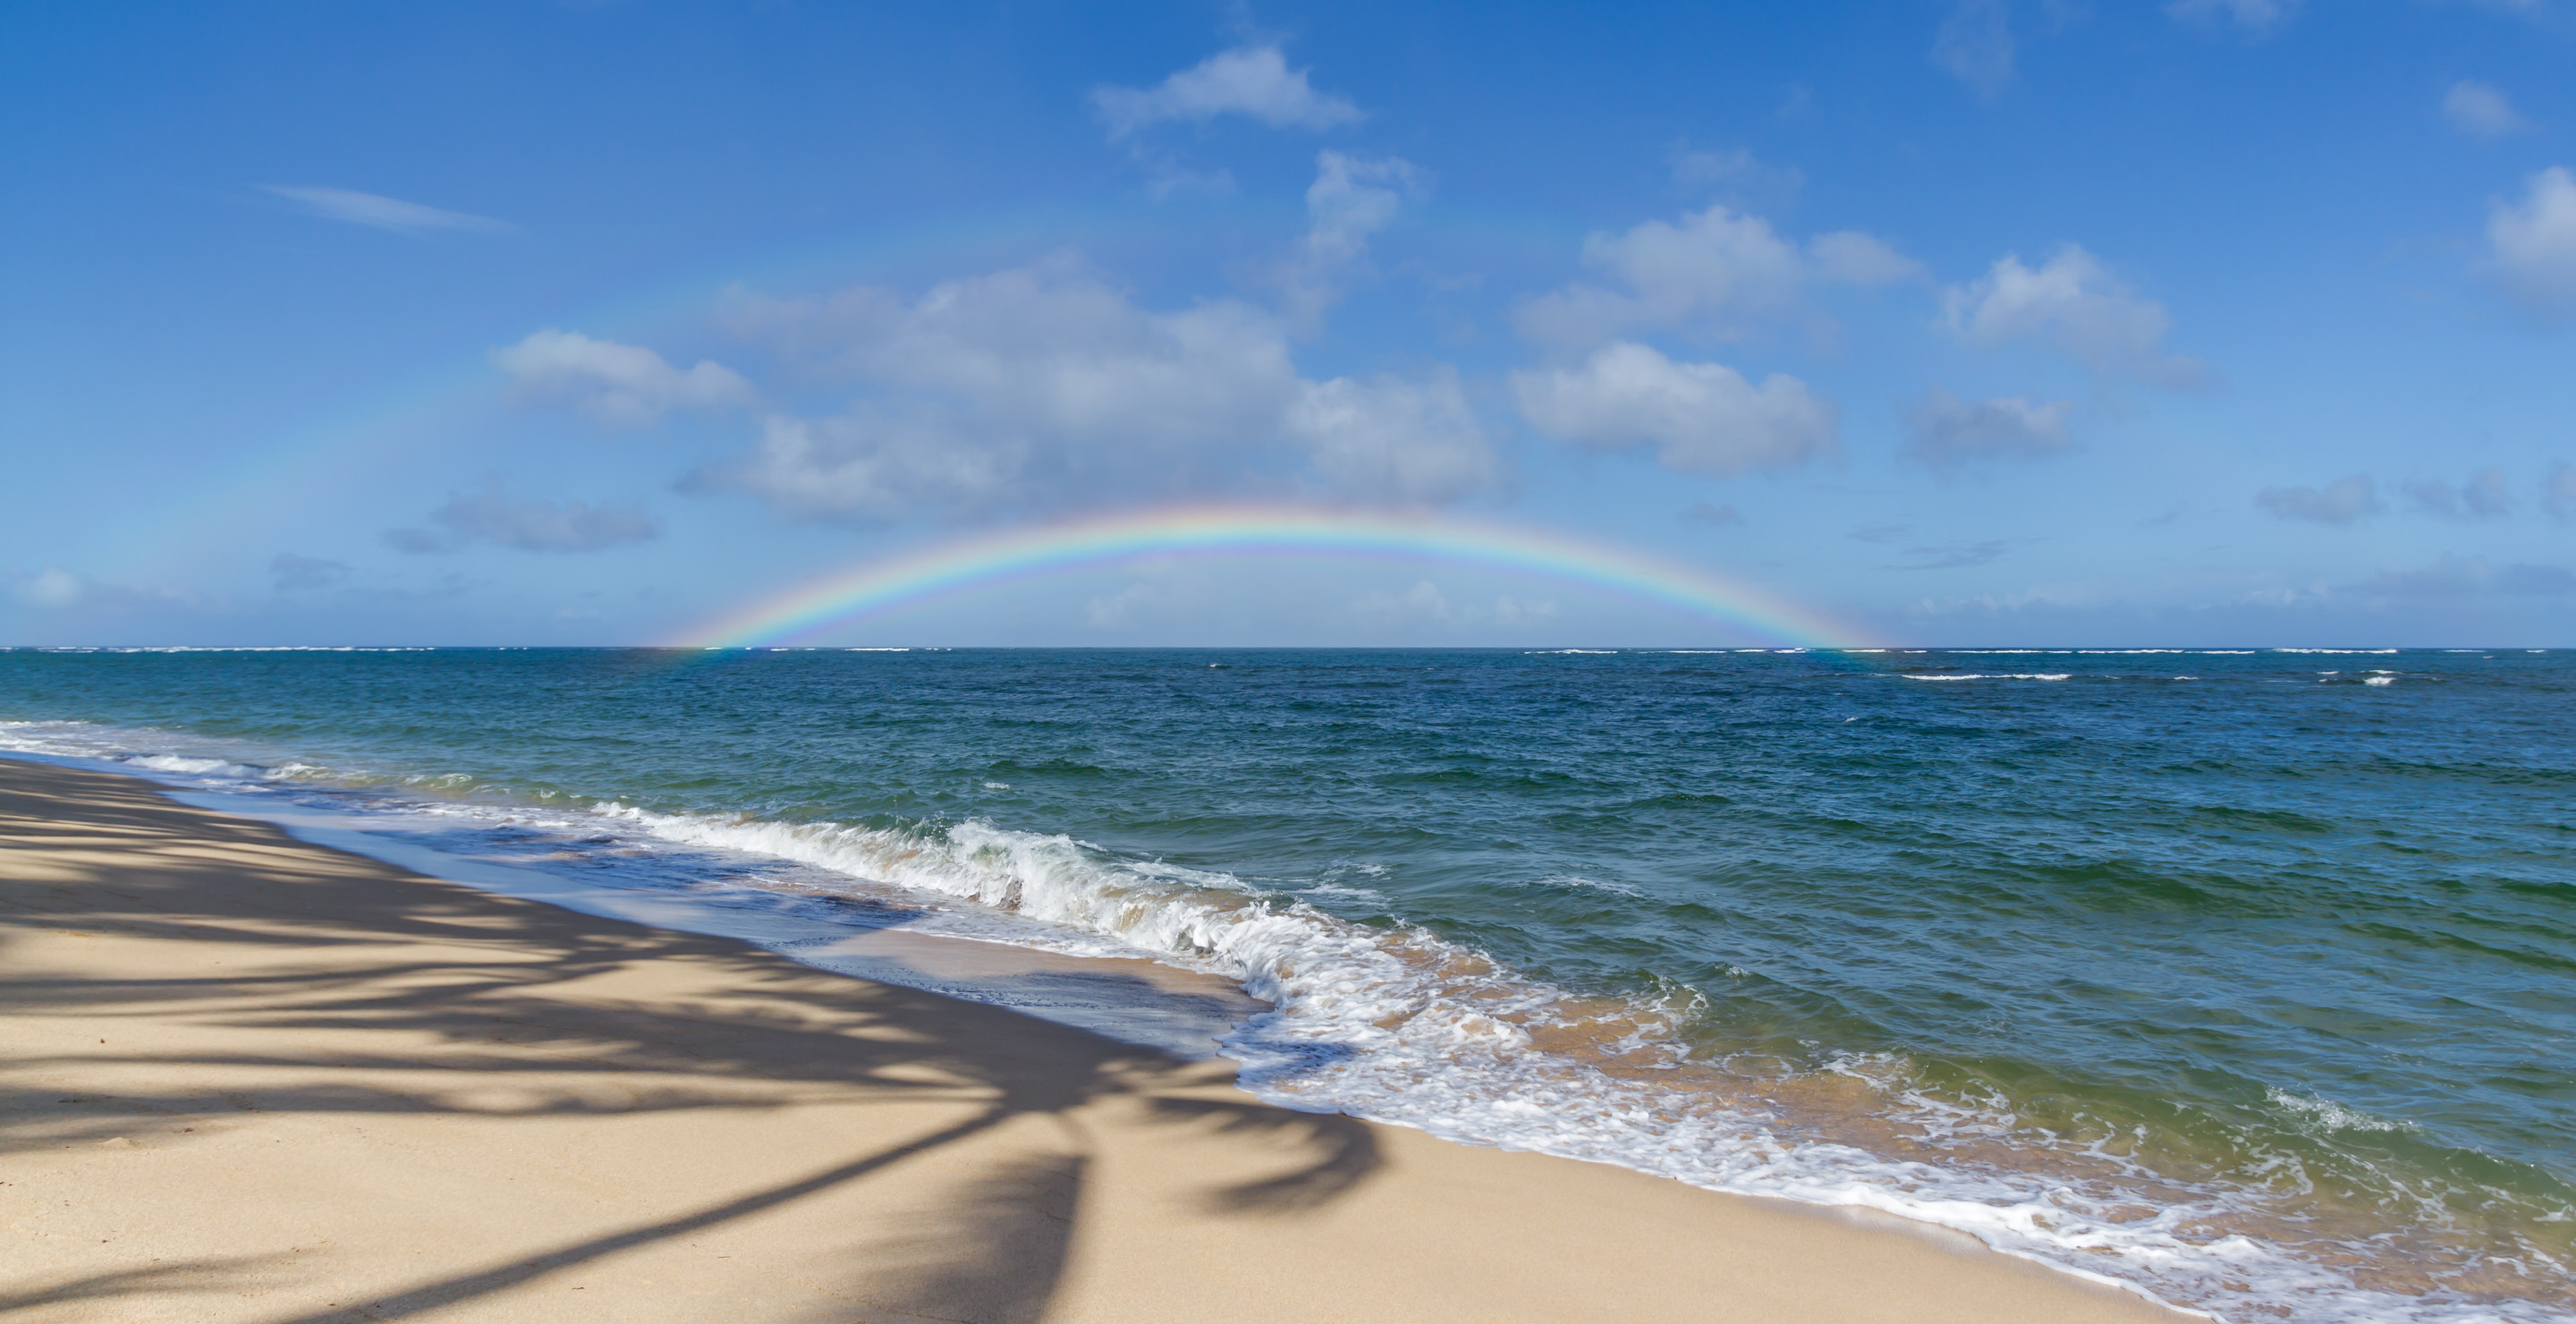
(993, 1252)
(224, 1274)
(507, 992)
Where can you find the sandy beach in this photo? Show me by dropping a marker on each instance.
(254, 1079)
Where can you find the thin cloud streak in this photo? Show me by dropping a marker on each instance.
(383, 213)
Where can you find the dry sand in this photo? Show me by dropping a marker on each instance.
(249, 1078)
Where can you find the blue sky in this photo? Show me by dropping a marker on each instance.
(2246, 322)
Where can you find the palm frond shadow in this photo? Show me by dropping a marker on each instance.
(516, 1027)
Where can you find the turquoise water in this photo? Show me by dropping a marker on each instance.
(2245, 977)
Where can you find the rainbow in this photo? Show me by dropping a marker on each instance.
(828, 602)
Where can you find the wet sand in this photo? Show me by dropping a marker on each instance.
(249, 1078)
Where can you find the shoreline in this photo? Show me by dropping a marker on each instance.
(256, 1078)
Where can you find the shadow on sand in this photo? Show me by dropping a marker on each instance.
(384, 962)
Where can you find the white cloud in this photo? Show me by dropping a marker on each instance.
(621, 385)
(1253, 81)
(1949, 431)
(2482, 497)
(869, 466)
(1701, 418)
(2532, 245)
(1393, 439)
(1717, 271)
(1045, 386)
(2558, 492)
(1850, 257)
(2480, 110)
(340, 204)
(2256, 16)
(2339, 502)
(1352, 198)
(492, 515)
(1975, 46)
(52, 586)
(2072, 305)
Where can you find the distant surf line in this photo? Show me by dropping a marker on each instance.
(846, 596)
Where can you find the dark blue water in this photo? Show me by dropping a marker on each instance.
(2249, 977)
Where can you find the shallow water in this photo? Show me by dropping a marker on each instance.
(2245, 977)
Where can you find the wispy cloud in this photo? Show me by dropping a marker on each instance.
(293, 572)
(2532, 246)
(1424, 601)
(1952, 555)
(2340, 502)
(1975, 46)
(492, 515)
(2484, 496)
(1949, 431)
(1353, 197)
(342, 204)
(1252, 81)
(2469, 577)
(2481, 110)
(2254, 16)
(51, 587)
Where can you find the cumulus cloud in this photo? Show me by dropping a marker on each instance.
(1716, 272)
(1393, 439)
(1045, 386)
(2074, 306)
(1701, 418)
(491, 515)
(867, 465)
(293, 572)
(1850, 257)
(2256, 16)
(1949, 431)
(1352, 198)
(2480, 110)
(2482, 497)
(2340, 502)
(620, 385)
(1975, 45)
(341, 204)
(2532, 245)
(1252, 81)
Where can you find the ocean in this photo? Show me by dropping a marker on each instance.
(2246, 978)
